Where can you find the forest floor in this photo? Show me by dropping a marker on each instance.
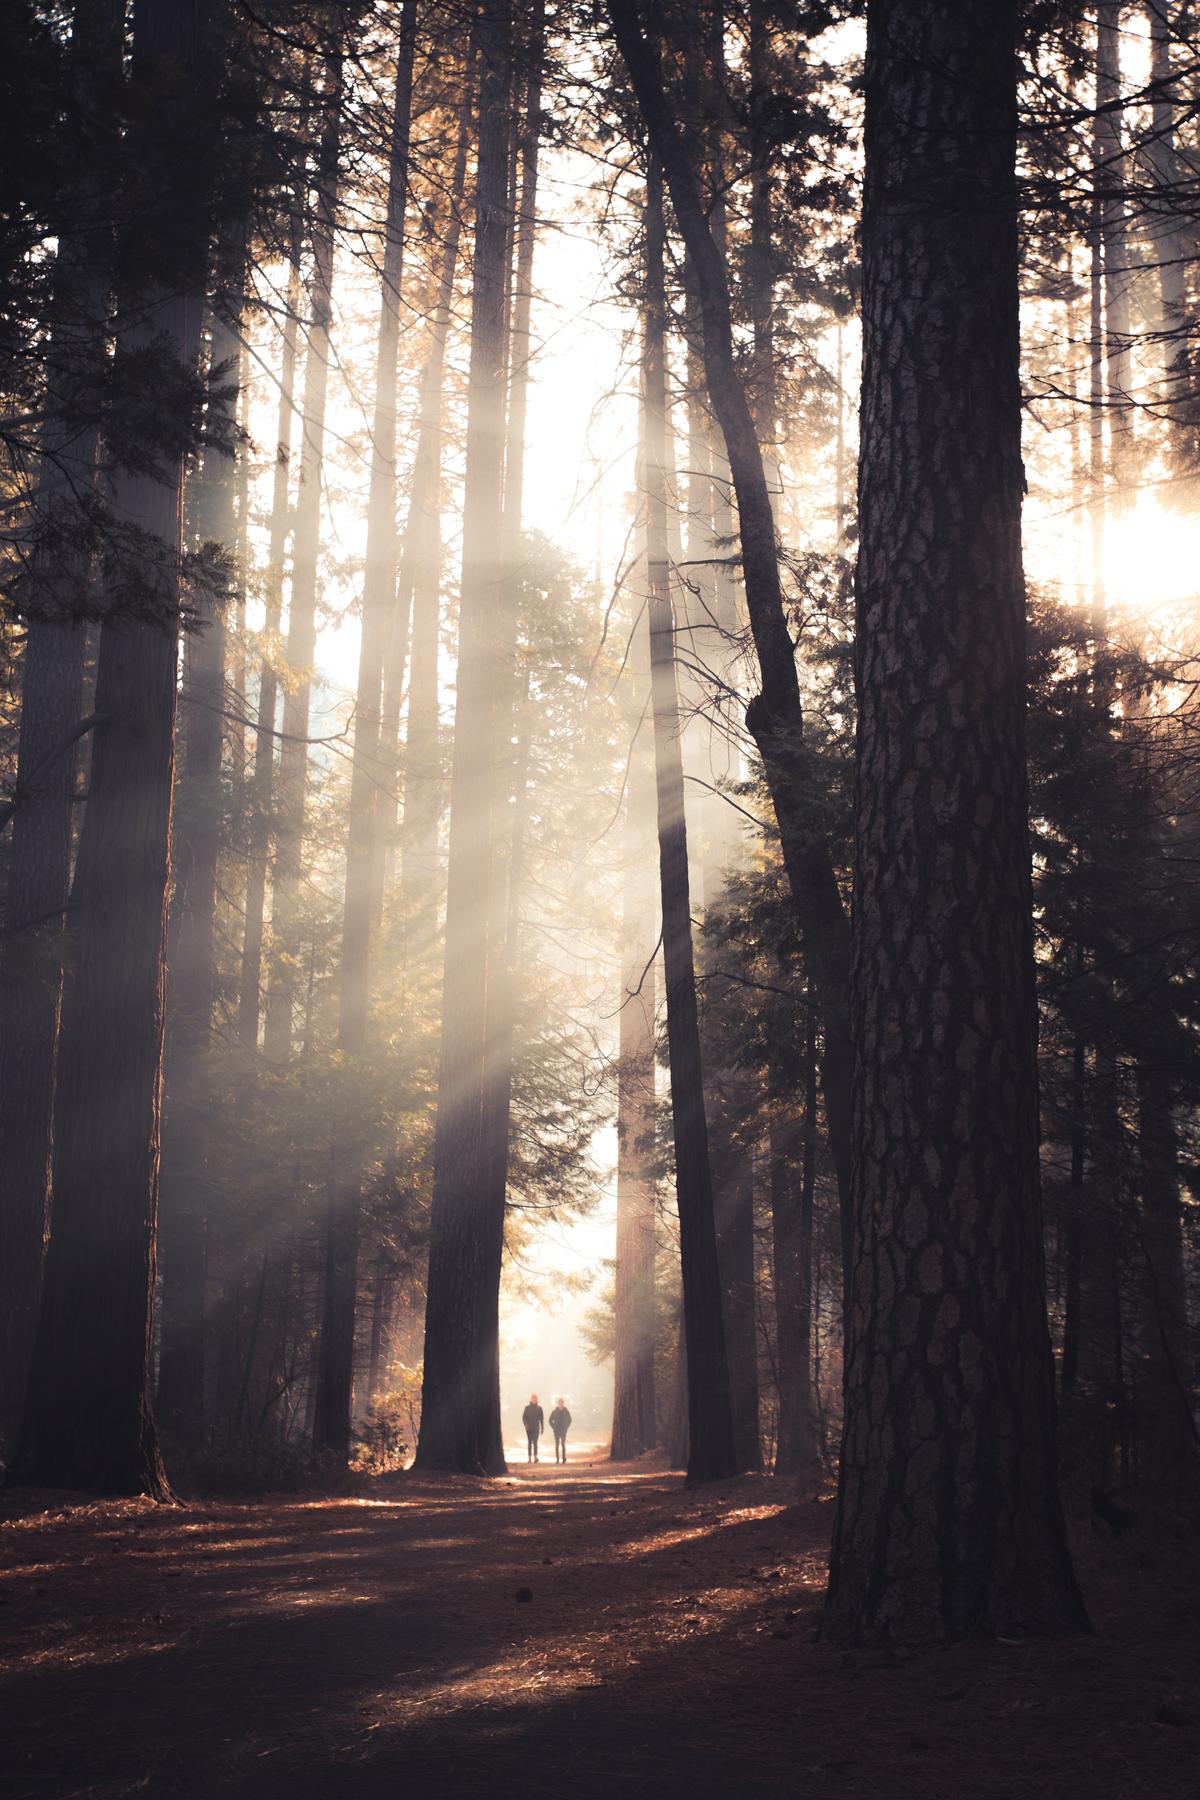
(598, 1630)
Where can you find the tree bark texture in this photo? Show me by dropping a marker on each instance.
(89, 1420)
(948, 1522)
(34, 918)
(711, 1450)
(460, 1396)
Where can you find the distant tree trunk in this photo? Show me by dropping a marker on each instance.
(33, 935)
(635, 1425)
(711, 1453)
(774, 717)
(191, 941)
(1168, 27)
(381, 1314)
(1111, 179)
(948, 1521)
(733, 1212)
(792, 1191)
(761, 270)
(1170, 1447)
(89, 1420)
(302, 613)
(1167, 208)
(1069, 1374)
(509, 802)
(263, 779)
(420, 573)
(460, 1396)
(335, 1377)
(379, 576)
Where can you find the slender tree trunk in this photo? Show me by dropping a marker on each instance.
(379, 578)
(510, 806)
(634, 1410)
(89, 1420)
(774, 717)
(460, 1396)
(381, 1313)
(263, 780)
(420, 575)
(191, 943)
(33, 935)
(332, 1421)
(792, 1192)
(302, 613)
(948, 1521)
(711, 1453)
(1111, 178)
(762, 244)
(1076, 1202)
(1168, 28)
(1170, 1450)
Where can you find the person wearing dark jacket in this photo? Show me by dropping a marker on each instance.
(560, 1423)
(534, 1421)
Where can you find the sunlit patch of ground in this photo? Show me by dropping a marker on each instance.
(598, 1631)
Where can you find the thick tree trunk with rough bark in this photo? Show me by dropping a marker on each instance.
(711, 1451)
(948, 1523)
(460, 1396)
(33, 923)
(89, 1420)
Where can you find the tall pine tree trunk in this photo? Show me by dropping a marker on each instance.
(1110, 175)
(711, 1450)
(948, 1521)
(302, 613)
(1170, 1456)
(335, 1368)
(510, 810)
(33, 923)
(420, 572)
(89, 1419)
(250, 993)
(635, 1424)
(191, 943)
(460, 1396)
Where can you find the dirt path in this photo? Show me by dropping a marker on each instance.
(377, 1645)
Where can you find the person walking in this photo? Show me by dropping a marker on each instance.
(560, 1424)
(534, 1421)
